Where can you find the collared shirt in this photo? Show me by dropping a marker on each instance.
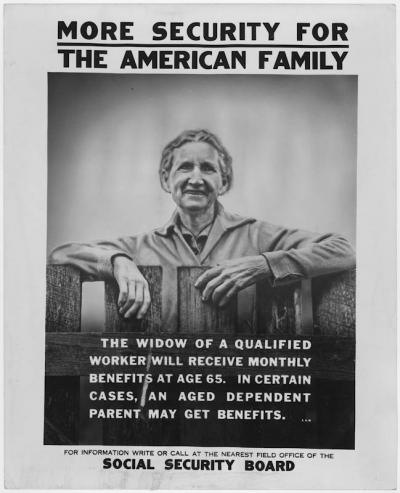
(196, 242)
(292, 254)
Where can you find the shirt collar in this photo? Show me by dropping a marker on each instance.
(225, 220)
(204, 232)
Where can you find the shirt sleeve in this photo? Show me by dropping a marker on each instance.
(94, 259)
(294, 254)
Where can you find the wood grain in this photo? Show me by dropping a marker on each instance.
(63, 314)
(197, 316)
(63, 299)
(152, 320)
(278, 309)
(334, 304)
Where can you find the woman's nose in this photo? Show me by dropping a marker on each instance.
(196, 175)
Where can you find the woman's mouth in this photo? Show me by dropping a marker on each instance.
(194, 192)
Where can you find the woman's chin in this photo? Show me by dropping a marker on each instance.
(195, 203)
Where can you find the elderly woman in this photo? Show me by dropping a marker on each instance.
(196, 169)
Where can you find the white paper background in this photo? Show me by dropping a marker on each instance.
(30, 52)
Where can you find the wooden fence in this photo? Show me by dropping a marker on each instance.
(279, 314)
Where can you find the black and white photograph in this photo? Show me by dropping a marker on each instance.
(227, 210)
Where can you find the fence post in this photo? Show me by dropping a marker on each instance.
(63, 314)
(141, 431)
(199, 317)
(334, 304)
(152, 320)
(63, 299)
(279, 309)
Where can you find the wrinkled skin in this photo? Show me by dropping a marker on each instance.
(220, 283)
(134, 295)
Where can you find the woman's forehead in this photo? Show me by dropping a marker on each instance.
(200, 151)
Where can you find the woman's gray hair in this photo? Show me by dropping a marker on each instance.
(225, 160)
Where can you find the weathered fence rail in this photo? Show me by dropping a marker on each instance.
(279, 314)
(279, 310)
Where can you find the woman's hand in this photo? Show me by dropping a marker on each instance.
(134, 293)
(222, 282)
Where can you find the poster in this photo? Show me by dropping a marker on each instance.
(205, 205)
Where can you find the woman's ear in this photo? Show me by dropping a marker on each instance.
(224, 187)
(165, 181)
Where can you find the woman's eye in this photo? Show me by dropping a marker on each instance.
(185, 167)
(208, 168)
